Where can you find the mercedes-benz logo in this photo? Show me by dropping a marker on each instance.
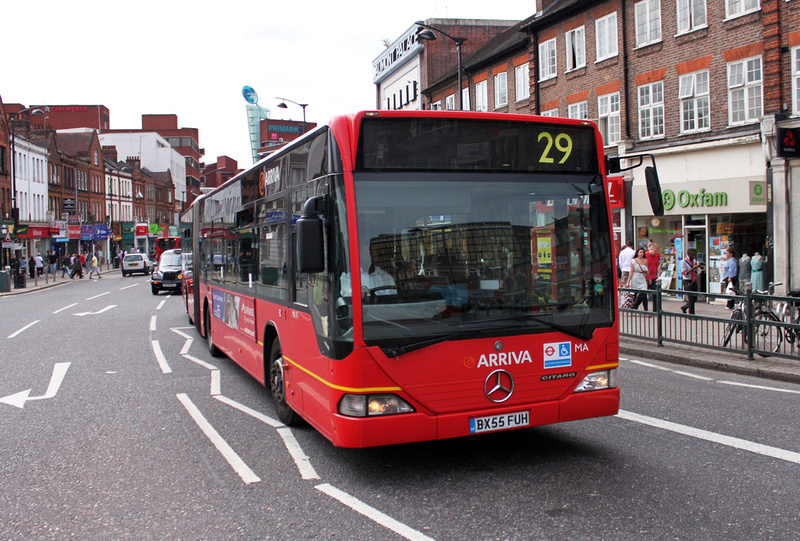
(498, 386)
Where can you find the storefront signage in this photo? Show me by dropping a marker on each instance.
(758, 192)
(393, 54)
(685, 198)
(33, 231)
(788, 142)
(616, 192)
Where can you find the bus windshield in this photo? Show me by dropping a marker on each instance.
(448, 255)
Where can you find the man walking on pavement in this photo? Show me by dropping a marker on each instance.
(625, 258)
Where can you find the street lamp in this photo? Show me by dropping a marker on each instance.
(13, 118)
(427, 35)
(283, 105)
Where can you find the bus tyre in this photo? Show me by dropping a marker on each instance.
(212, 349)
(277, 387)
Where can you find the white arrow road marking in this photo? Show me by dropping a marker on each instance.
(18, 400)
(107, 308)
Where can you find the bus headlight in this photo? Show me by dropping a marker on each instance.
(369, 405)
(603, 379)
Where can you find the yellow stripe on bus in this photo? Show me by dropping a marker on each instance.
(339, 387)
(602, 366)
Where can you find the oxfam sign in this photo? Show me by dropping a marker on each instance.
(685, 199)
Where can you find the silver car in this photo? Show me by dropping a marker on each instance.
(136, 263)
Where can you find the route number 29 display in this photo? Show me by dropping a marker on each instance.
(562, 143)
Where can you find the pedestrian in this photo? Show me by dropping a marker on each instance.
(689, 271)
(625, 257)
(653, 263)
(66, 266)
(77, 268)
(82, 259)
(730, 275)
(52, 260)
(639, 278)
(31, 266)
(95, 267)
(39, 263)
(23, 265)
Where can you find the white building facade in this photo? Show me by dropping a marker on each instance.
(396, 73)
(30, 164)
(154, 152)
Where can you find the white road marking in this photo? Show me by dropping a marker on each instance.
(251, 412)
(763, 387)
(690, 375)
(371, 513)
(106, 309)
(25, 328)
(100, 295)
(128, 287)
(162, 361)
(737, 443)
(201, 362)
(65, 308)
(227, 452)
(216, 383)
(300, 458)
(18, 400)
(153, 323)
(649, 365)
(161, 304)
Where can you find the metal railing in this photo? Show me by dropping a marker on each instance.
(760, 324)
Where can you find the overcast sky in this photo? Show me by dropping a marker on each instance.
(192, 58)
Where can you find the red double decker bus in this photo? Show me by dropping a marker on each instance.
(166, 243)
(398, 276)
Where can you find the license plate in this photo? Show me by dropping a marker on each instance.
(499, 422)
(169, 285)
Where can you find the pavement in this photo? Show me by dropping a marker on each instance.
(774, 368)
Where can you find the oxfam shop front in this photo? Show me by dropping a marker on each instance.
(708, 217)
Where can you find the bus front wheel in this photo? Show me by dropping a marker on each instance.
(277, 386)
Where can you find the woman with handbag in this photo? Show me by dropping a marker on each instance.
(639, 278)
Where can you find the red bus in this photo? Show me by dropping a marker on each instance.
(479, 249)
(166, 243)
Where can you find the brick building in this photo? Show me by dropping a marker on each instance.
(703, 89)
(67, 117)
(216, 174)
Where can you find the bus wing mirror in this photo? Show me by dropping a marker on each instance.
(613, 165)
(310, 238)
(654, 190)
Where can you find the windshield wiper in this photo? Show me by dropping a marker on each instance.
(582, 331)
(396, 351)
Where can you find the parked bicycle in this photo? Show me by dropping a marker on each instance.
(766, 335)
(789, 312)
